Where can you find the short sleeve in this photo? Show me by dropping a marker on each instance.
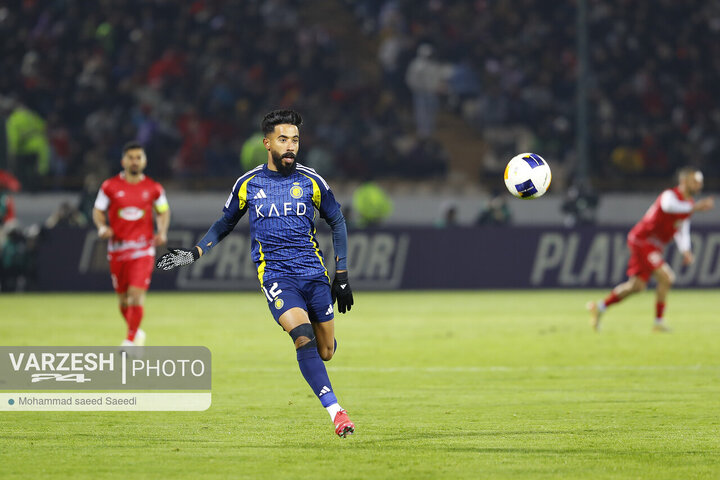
(161, 203)
(236, 204)
(102, 201)
(670, 203)
(323, 197)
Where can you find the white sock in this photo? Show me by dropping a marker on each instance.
(658, 320)
(601, 306)
(333, 410)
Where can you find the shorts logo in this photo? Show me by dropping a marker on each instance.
(296, 192)
(279, 303)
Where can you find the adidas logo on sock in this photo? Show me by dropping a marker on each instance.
(329, 310)
(325, 389)
(260, 194)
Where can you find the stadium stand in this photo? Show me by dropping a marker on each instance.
(182, 78)
(191, 81)
(511, 74)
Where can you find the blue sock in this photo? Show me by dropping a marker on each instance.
(313, 369)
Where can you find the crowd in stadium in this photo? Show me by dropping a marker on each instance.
(190, 81)
(654, 104)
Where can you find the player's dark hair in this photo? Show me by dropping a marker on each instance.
(280, 117)
(131, 145)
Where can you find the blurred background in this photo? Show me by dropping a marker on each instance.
(411, 110)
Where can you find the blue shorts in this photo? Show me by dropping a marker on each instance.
(312, 294)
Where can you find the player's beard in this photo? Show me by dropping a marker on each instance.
(284, 170)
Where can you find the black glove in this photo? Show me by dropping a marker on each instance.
(177, 257)
(341, 291)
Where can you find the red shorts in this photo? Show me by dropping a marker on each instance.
(645, 258)
(131, 273)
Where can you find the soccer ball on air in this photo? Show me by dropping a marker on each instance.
(527, 176)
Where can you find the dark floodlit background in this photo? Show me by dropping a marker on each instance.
(411, 108)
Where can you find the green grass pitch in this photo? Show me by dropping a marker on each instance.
(487, 384)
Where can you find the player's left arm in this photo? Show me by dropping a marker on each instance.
(330, 211)
(162, 217)
(683, 242)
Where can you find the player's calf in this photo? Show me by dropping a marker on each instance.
(595, 313)
(315, 374)
(326, 352)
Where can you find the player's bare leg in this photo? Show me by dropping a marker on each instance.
(325, 335)
(625, 289)
(665, 278)
(296, 322)
(595, 314)
(293, 318)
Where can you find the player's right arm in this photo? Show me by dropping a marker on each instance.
(704, 205)
(330, 210)
(670, 203)
(102, 203)
(235, 207)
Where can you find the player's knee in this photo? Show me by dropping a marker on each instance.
(123, 300)
(638, 286)
(303, 336)
(135, 298)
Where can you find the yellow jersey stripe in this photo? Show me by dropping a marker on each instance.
(242, 193)
(316, 191)
(316, 201)
(261, 267)
(317, 250)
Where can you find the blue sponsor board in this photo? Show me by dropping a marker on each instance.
(399, 258)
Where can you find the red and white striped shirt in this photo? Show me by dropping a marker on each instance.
(129, 209)
(668, 217)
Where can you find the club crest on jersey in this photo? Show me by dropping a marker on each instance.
(279, 303)
(296, 192)
(131, 213)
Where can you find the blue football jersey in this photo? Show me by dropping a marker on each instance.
(282, 212)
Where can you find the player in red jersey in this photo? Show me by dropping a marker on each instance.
(667, 218)
(123, 216)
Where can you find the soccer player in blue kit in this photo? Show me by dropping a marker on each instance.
(280, 198)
